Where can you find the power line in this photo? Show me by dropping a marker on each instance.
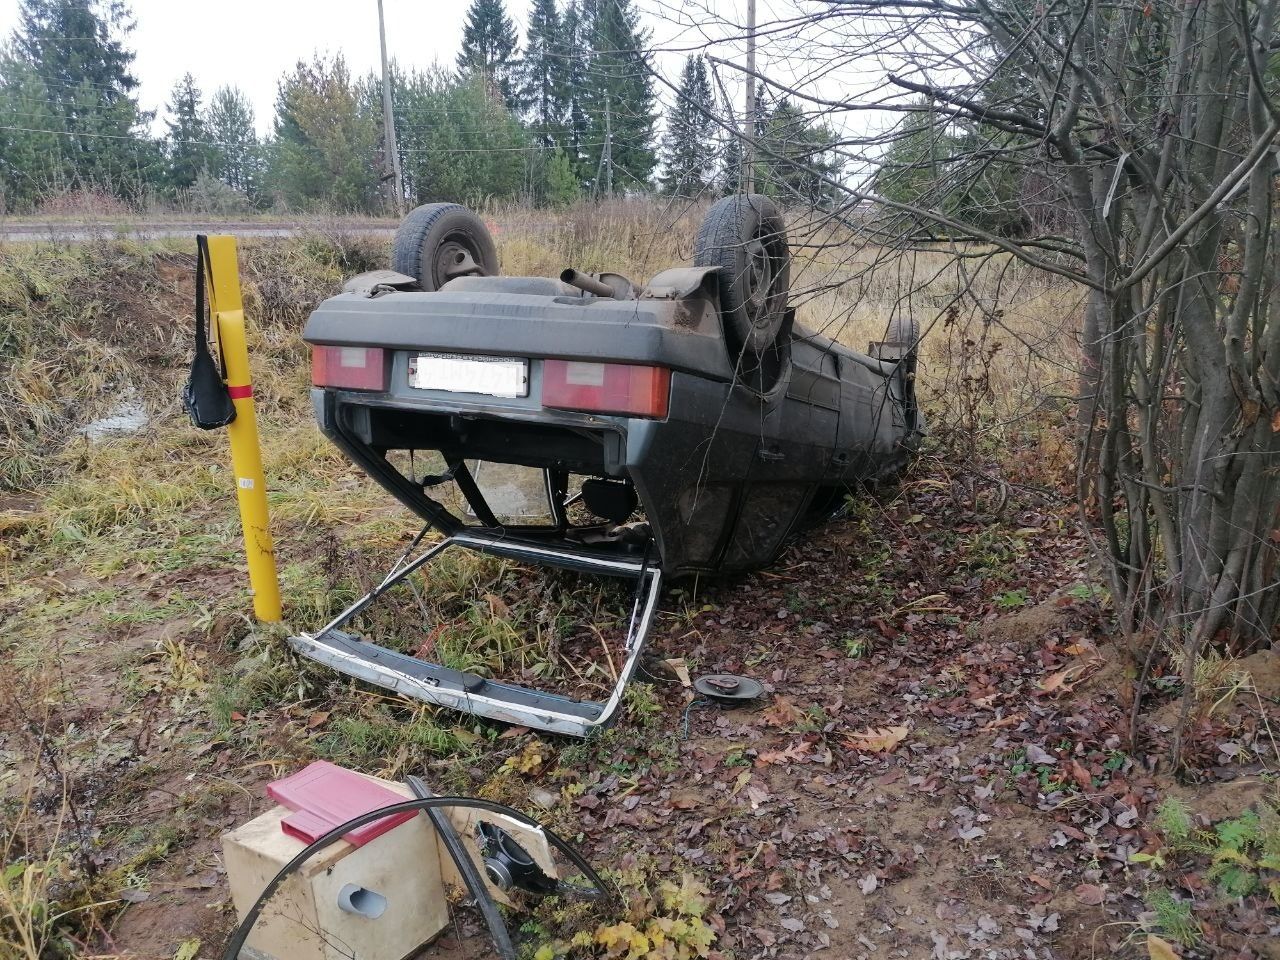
(220, 143)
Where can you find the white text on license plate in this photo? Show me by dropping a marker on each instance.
(490, 376)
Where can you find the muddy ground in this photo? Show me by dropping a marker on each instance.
(999, 824)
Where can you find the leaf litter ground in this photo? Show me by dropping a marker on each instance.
(940, 767)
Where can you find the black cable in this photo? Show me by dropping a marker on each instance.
(469, 872)
(684, 724)
(237, 940)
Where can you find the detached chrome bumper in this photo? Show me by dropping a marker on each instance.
(468, 692)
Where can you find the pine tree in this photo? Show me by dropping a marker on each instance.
(489, 43)
(560, 181)
(75, 50)
(186, 149)
(460, 141)
(229, 122)
(542, 92)
(689, 147)
(31, 164)
(326, 139)
(619, 98)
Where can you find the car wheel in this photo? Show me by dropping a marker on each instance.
(903, 336)
(745, 237)
(902, 343)
(435, 241)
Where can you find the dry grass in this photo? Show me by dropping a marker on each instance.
(90, 322)
(1000, 344)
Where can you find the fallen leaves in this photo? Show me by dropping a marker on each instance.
(876, 739)
(680, 668)
(1158, 949)
(1082, 777)
(1011, 720)
(498, 608)
(782, 713)
(528, 760)
(795, 753)
(1039, 756)
(1065, 680)
(1090, 894)
(685, 799)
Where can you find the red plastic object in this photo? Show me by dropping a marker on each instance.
(351, 368)
(324, 795)
(606, 387)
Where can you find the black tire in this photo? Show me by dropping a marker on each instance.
(745, 237)
(431, 237)
(902, 337)
(902, 343)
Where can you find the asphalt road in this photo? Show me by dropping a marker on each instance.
(72, 230)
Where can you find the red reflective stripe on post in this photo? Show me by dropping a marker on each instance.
(240, 393)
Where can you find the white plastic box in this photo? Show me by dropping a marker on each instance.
(393, 882)
(399, 883)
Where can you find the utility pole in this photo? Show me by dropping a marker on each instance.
(608, 149)
(391, 162)
(604, 169)
(749, 115)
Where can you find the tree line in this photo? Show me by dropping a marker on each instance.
(571, 112)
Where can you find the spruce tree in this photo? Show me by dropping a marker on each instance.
(730, 176)
(76, 51)
(573, 66)
(187, 152)
(489, 43)
(689, 147)
(798, 154)
(542, 92)
(619, 155)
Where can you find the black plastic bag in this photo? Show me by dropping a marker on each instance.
(205, 396)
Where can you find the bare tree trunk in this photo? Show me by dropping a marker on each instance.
(1157, 125)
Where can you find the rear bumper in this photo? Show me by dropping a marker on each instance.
(468, 692)
(679, 335)
(690, 474)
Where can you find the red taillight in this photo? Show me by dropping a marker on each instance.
(606, 387)
(352, 368)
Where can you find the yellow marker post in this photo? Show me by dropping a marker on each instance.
(227, 309)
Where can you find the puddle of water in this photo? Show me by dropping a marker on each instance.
(127, 416)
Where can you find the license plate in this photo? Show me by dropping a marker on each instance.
(487, 376)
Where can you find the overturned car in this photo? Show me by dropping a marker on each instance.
(679, 427)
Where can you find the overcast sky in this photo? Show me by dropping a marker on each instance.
(250, 43)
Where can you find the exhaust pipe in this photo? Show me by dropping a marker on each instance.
(587, 283)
